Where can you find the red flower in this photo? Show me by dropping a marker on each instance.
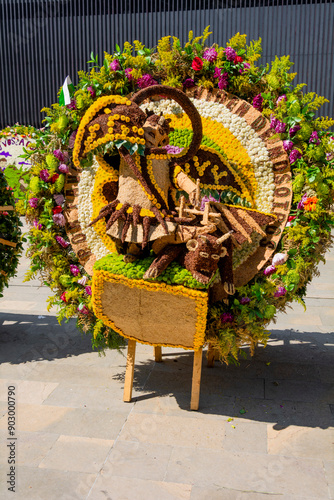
(57, 210)
(54, 178)
(291, 218)
(197, 64)
(63, 297)
(238, 59)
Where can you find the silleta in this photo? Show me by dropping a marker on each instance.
(11, 460)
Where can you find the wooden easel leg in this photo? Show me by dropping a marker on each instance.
(158, 354)
(196, 382)
(130, 367)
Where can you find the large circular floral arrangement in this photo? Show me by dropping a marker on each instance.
(10, 234)
(245, 136)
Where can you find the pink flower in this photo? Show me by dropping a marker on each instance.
(279, 259)
(33, 202)
(273, 121)
(223, 81)
(288, 145)
(217, 73)
(244, 300)
(173, 150)
(128, 72)
(281, 98)
(62, 242)
(146, 81)
(300, 205)
(91, 91)
(72, 105)
(226, 318)
(293, 130)
(74, 270)
(37, 224)
(210, 54)
(59, 219)
(280, 292)
(314, 138)
(88, 290)
(114, 65)
(230, 54)
(82, 281)
(44, 175)
(59, 155)
(280, 127)
(245, 68)
(269, 270)
(63, 168)
(188, 83)
(83, 309)
(294, 155)
(59, 199)
(257, 102)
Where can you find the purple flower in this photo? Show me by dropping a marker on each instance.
(37, 224)
(146, 81)
(279, 259)
(91, 91)
(83, 309)
(314, 138)
(280, 292)
(44, 175)
(33, 202)
(246, 66)
(230, 54)
(293, 130)
(59, 199)
(300, 205)
(173, 150)
(63, 168)
(128, 72)
(223, 81)
(59, 219)
(294, 155)
(115, 66)
(217, 73)
(72, 105)
(257, 102)
(269, 270)
(62, 242)
(287, 145)
(59, 155)
(74, 270)
(188, 83)
(273, 121)
(227, 318)
(210, 54)
(205, 199)
(280, 127)
(281, 99)
(88, 290)
(71, 140)
(244, 300)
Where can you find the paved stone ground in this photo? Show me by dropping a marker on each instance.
(76, 439)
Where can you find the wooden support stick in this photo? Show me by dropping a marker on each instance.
(196, 382)
(129, 372)
(211, 356)
(198, 212)
(198, 193)
(158, 354)
(8, 243)
(6, 208)
(182, 204)
(205, 220)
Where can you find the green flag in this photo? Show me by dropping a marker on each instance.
(66, 92)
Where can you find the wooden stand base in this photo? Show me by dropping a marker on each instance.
(130, 365)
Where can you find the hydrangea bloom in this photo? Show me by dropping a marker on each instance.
(273, 121)
(257, 102)
(146, 81)
(114, 65)
(33, 202)
(294, 155)
(44, 175)
(210, 54)
(280, 127)
(74, 270)
(314, 139)
(230, 54)
(217, 73)
(293, 130)
(287, 145)
(173, 150)
(280, 292)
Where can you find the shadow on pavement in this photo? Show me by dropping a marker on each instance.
(25, 337)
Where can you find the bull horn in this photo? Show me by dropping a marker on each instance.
(223, 238)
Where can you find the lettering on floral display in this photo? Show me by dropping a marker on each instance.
(11, 149)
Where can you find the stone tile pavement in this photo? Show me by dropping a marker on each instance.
(264, 429)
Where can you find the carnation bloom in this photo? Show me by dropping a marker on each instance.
(269, 270)
(314, 139)
(54, 178)
(246, 66)
(279, 259)
(44, 175)
(280, 127)
(37, 224)
(197, 64)
(294, 155)
(114, 65)
(63, 297)
(91, 91)
(128, 72)
(210, 54)
(257, 102)
(63, 168)
(59, 155)
(230, 54)
(288, 145)
(217, 73)
(244, 300)
(273, 121)
(223, 81)
(281, 98)
(59, 199)
(146, 81)
(280, 292)
(59, 219)
(88, 290)
(310, 203)
(238, 59)
(62, 242)
(33, 202)
(188, 83)
(293, 130)
(82, 281)
(72, 105)
(300, 205)
(74, 270)
(227, 318)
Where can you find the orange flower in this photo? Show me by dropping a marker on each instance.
(310, 203)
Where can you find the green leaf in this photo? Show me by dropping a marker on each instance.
(292, 252)
(118, 48)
